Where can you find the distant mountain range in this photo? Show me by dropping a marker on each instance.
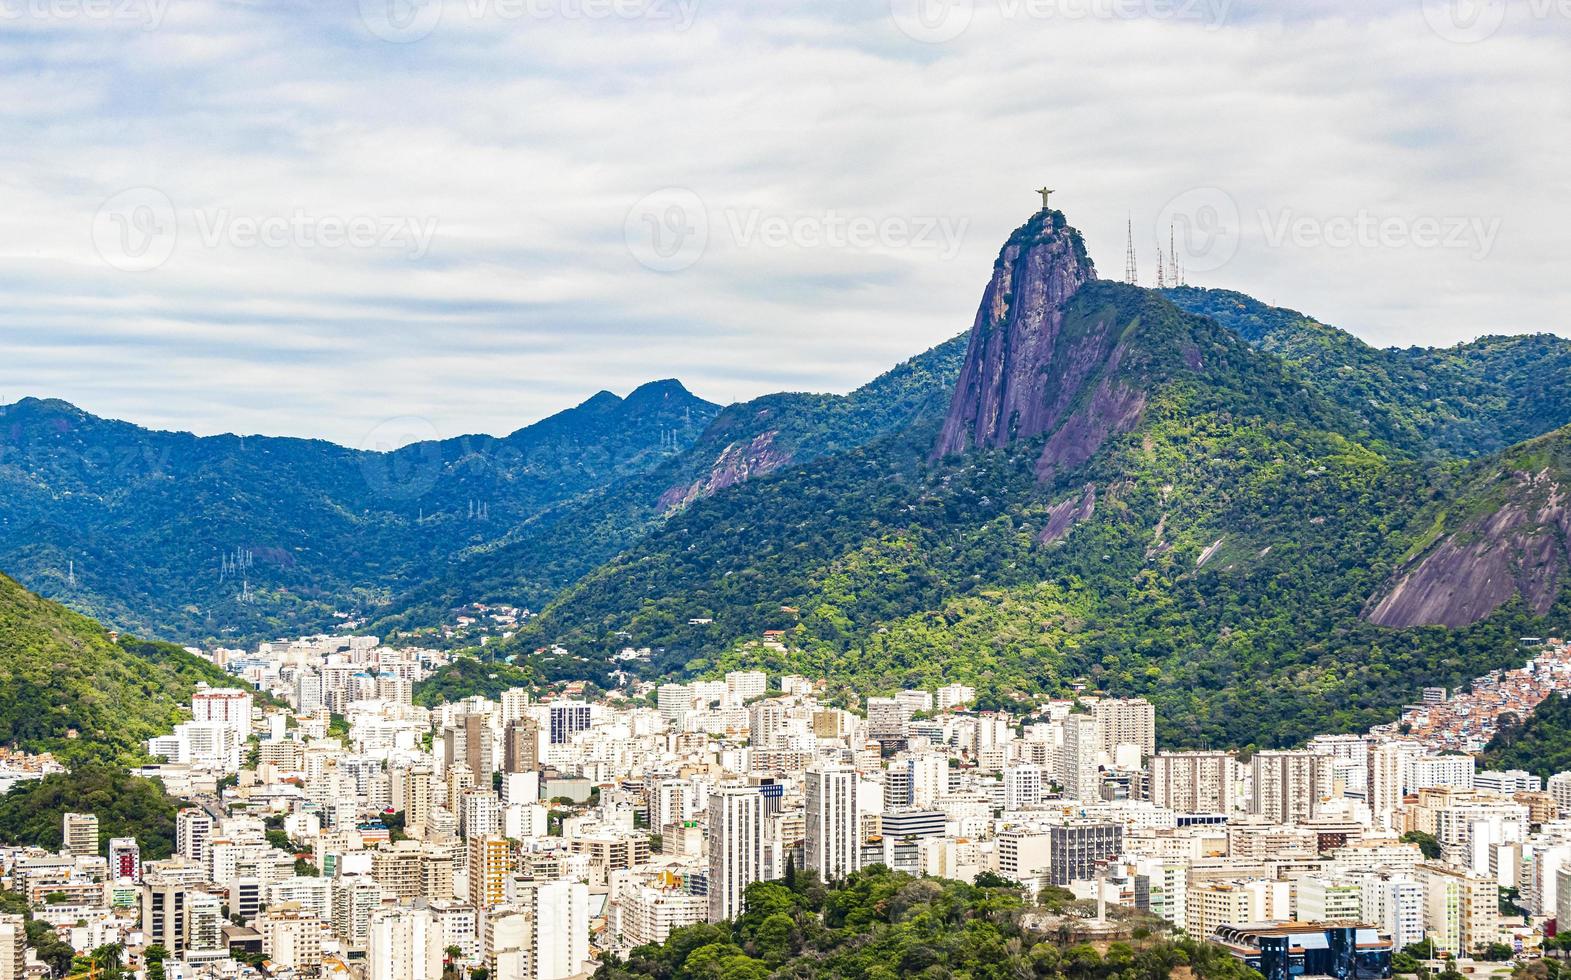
(1257, 520)
(186, 537)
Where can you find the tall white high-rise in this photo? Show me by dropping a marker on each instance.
(1396, 905)
(670, 801)
(515, 705)
(226, 705)
(832, 842)
(479, 814)
(559, 911)
(736, 825)
(193, 833)
(673, 702)
(1082, 748)
(1384, 770)
(308, 692)
(742, 685)
(1022, 787)
(404, 944)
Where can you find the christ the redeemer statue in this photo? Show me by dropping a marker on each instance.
(1044, 192)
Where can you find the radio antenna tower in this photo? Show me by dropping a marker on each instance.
(1161, 267)
(1172, 256)
(1129, 253)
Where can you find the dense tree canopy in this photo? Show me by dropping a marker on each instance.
(126, 806)
(882, 925)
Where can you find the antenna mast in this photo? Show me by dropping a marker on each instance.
(1129, 253)
(1172, 257)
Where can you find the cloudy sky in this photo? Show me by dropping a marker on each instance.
(306, 217)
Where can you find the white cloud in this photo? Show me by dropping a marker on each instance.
(527, 137)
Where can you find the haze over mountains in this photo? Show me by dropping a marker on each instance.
(1188, 495)
(164, 532)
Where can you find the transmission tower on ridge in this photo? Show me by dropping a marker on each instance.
(1130, 276)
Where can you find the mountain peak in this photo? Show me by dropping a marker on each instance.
(1019, 375)
(42, 405)
(653, 391)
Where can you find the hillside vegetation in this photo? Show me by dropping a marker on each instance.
(126, 806)
(1215, 557)
(73, 688)
(187, 538)
(882, 925)
(1469, 400)
(1539, 744)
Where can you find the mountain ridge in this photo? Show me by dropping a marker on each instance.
(199, 536)
(1210, 551)
(643, 394)
(1185, 495)
(1467, 400)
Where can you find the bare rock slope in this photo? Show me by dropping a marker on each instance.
(1510, 535)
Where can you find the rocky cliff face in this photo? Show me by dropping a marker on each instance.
(1517, 542)
(738, 462)
(1021, 373)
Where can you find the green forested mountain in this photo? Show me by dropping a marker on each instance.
(1262, 523)
(73, 688)
(1198, 521)
(1469, 400)
(186, 537)
(751, 439)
